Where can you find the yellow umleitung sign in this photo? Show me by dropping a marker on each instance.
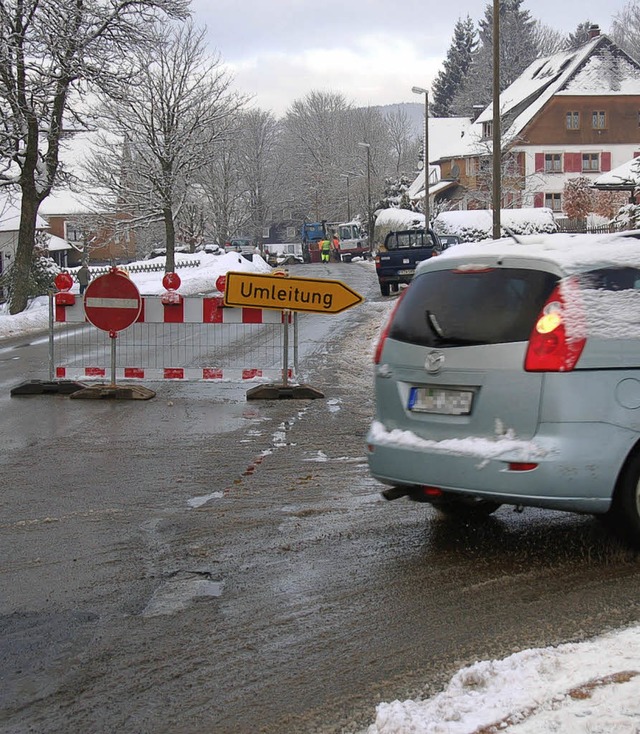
(294, 294)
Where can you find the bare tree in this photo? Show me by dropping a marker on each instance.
(313, 136)
(404, 147)
(224, 193)
(52, 53)
(172, 116)
(625, 28)
(548, 40)
(259, 165)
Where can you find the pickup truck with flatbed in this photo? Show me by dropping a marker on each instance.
(396, 260)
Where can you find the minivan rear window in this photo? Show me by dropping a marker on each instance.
(466, 307)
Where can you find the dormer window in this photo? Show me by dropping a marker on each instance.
(487, 129)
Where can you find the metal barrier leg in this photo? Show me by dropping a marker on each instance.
(50, 386)
(285, 390)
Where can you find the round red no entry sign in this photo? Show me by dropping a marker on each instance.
(112, 302)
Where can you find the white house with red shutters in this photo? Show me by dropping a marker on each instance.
(575, 113)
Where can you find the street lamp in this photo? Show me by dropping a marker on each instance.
(369, 213)
(427, 213)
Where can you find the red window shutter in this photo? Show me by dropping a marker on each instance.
(573, 162)
(539, 162)
(605, 161)
(538, 200)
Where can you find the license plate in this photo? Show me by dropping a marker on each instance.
(441, 400)
(406, 272)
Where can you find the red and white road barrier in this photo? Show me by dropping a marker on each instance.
(190, 310)
(191, 339)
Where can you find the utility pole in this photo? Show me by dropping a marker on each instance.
(369, 212)
(497, 142)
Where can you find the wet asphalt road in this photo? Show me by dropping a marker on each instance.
(198, 563)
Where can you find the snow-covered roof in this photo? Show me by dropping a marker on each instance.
(57, 243)
(445, 136)
(624, 177)
(598, 67)
(10, 214)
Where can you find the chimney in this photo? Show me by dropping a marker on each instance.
(594, 31)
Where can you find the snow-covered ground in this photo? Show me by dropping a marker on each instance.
(194, 280)
(591, 687)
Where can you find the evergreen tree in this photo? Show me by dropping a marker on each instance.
(518, 49)
(454, 68)
(579, 37)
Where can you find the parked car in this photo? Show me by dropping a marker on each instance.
(242, 245)
(448, 240)
(509, 373)
(212, 248)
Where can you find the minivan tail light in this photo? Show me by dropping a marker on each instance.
(550, 348)
(385, 331)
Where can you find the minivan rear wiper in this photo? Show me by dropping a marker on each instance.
(443, 339)
(433, 324)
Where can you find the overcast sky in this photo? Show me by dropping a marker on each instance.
(371, 51)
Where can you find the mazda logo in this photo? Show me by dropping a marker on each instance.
(434, 361)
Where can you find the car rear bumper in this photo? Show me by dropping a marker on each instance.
(576, 465)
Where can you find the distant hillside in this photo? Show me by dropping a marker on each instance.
(413, 110)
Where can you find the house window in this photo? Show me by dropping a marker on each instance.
(553, 162)
(573, 120)
(73, 232)
(291, 233)
(599, 120)
(590, 162)
(553, 201)
(487, 129)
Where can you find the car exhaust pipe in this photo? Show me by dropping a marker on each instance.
(394, 493)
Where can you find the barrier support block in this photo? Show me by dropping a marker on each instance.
(283, 392)
(114, 392)
(47, 387)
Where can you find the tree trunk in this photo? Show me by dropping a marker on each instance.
(19, 296)
(170, 241)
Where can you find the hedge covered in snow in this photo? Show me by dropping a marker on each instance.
(394, 220)
(472, 226)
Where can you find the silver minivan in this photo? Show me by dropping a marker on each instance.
(509, 373)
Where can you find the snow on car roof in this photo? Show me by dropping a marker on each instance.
(573, 253)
